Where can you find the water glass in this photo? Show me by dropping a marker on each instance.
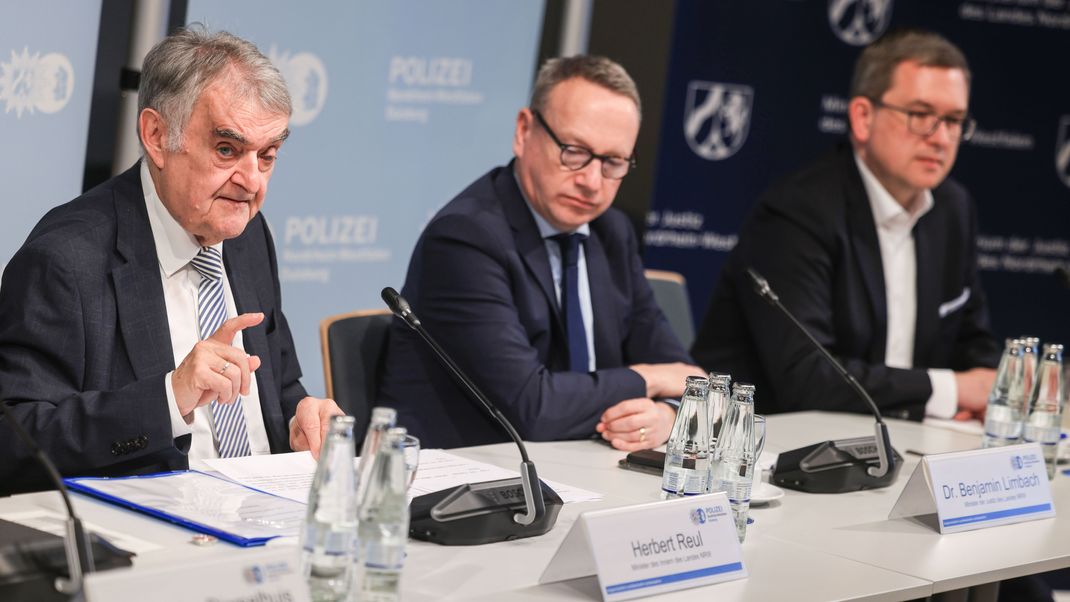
(410, 445)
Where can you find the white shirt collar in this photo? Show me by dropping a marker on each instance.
(175, 247)
(887, 212)
(546, 229)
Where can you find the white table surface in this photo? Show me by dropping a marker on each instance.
(801, 547)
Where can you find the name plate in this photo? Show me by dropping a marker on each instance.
(979, 488)
(271, 574)
(652, 548)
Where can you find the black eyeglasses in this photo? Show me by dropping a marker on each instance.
(577, 157)
(925, 123)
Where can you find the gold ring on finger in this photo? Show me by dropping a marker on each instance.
(642, 433)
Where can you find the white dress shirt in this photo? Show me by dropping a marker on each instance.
(175, 248)
(553, 249)
(895, 234)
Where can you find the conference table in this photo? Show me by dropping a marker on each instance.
(799, 547)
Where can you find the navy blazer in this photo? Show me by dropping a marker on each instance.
(85, 344)
(480, 281)
(813, 237)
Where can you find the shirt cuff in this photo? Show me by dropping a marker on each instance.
(178, 424)
(943, 403)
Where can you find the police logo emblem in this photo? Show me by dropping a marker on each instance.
(31, 82)
(717, 118)
(859, 22)
(306, 78)
(1062, 150)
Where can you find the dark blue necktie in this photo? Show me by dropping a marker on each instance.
(570, 300)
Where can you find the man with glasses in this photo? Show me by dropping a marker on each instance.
(535, 287)
(874, 250)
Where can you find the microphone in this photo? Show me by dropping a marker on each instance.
(478, 513)
(79, 554)
(834, 466)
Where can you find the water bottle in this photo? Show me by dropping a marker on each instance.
(1004, 415)
(382, 420)
(718, 401)
(328, 541)
(733, 462)
(687, 453)
(383, 527)
(1023, 391)
(1045, 412)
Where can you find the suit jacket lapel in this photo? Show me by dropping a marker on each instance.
(241, 265)
(930, 261)
(139, 299)
(529, 244)
(866, 247)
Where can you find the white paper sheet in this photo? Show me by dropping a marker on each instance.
(290, 475)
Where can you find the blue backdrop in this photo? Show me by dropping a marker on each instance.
(756, 89)
(397, 107)
(46, 81)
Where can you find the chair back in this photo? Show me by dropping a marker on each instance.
(670, 291)
(354, 346)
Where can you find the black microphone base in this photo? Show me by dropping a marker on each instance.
(479, 513)
(834, 467)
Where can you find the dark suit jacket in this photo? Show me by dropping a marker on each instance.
(812, 236)
(85, 344)
(480, 282)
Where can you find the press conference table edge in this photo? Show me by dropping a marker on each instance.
(791, 550)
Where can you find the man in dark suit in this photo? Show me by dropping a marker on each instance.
(874, 250)
(535, 286)
(115, 348)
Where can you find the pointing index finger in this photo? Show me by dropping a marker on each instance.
(227, 330)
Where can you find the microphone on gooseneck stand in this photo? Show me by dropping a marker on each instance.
(477, 513)
(834, 466)
(79, 553)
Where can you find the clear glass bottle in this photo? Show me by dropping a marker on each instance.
(328, 541)
(384, 522)
(718, 401)
(1024, 380)
(733, 462)
(382, 419)
(1004, 417)
(1045, 412)
(687, 452)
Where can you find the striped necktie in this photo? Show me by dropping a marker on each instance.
(231, 438)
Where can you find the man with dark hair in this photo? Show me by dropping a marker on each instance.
(873, 248)
(141, 326)
(534, 285)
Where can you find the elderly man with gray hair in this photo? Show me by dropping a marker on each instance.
(141, 327)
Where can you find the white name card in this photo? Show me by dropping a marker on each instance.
(652, 548)
(269, 574)
(979, 488)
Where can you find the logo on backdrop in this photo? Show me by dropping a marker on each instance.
(859, 22)
(1062, 150)
(717, 118)
(31, 82)
(307, 80)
